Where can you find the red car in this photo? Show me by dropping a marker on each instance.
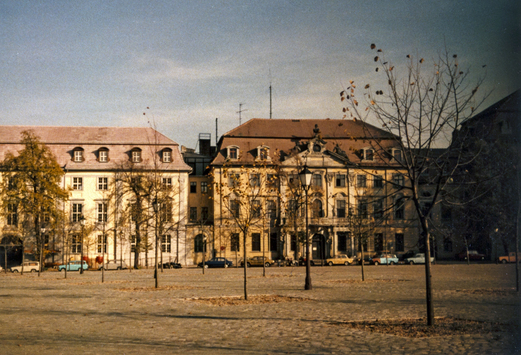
(473, 255)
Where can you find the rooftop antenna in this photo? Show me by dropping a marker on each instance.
(240, 112)
(270, 97)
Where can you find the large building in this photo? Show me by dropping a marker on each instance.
(100, 165)
(356, 199)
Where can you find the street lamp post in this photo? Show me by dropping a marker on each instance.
(305, 179)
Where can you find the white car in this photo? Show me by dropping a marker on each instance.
(419, 258)
(32, 266)
(114, 265)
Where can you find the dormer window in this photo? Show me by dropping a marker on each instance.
(136, 155)
(77, 154)
(167, 155)
(397, 155)
(103, 155)
(263, 153)
(368, 154)
(232, 152)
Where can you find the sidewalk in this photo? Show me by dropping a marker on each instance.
(125, 315)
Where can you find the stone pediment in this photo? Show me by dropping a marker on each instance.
(323, 159)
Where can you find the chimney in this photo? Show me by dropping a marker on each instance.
(204, 143)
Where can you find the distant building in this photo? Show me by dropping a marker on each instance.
(91, 158)
(355, 173)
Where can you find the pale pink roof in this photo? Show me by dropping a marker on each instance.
(86, 135)
(118, 140)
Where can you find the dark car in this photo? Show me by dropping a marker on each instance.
(172, 265)
(216, 262)
(473, 255)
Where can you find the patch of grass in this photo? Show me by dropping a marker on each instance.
(418, 328)
(239, 301)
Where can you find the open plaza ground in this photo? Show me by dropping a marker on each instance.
(125, 314)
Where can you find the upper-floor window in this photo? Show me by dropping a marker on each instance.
(398, 180)
(362, 208)
(234, 179)
(341, 208)
(316, 209)
(193, 187)
(378, 208)
(12, 214)
(167, 183)
(193, 214)
(103, 155)
(378, 181)
(204, 187)
(234, 208)
(271, 180)
(167, 155)
(397, 155)
(255, 180)
(78, 155)
(77, 183)
(399, 207)
(232, 152)
(103, 183)
(136, 155)
(166, 211)
(316, 180)
(340, 180)
(256, 208)
(77, 212)
(102, 212)
(361, 181)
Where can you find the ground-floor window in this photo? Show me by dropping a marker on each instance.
(76, 243)
(342, 241)
(378, 242)
(255, 242)
(102, 243)
(293, 243)
(166, 244)
(133, 243)
(399, 242)
(274, 241)
(235, 244)
(199, 244)
(447, 245)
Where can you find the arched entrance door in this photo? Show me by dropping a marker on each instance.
(318, 247)
(11, 251)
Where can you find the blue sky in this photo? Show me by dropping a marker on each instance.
(102, 63)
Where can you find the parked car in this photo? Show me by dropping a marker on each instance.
(390, 259)
(367, 260)
(114, 265)
(418, 258)
(75, 265)
(172, 265)
(408, 254)
(510, 258)
(259, 261)
(341, 259)
(216, 262)
(28, 266)
(473, 255)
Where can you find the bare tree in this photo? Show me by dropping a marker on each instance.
(422, 105)
(244, 197)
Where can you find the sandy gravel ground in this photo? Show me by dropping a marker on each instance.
(192, 313)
